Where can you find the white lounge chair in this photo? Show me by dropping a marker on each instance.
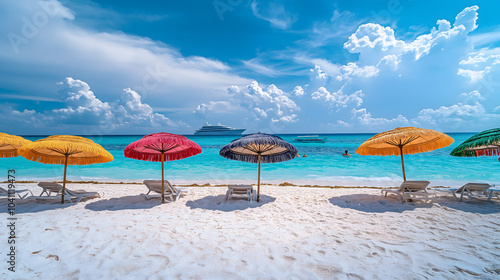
(53, 191)
(495, 193)
(80, 194)
(239, 190)
(11, 193)
(49, 188)
(410, 190)
(170, 191)
(471, 191)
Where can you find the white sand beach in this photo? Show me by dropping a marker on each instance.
(293, 233)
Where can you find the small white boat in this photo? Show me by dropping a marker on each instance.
(310, 139)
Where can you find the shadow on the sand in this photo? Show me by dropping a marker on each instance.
(31, 205)
(219, 203)
(375, 203)
(380, 204)
(124, 203)
(478, 206)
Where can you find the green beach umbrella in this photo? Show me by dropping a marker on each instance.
(486, 143)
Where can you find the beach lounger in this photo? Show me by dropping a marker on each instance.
(495, 193)
(49, 188)
(80, 194)
(170, 191)
(410, 190)
(4, 192)
(239, 191)
(471, 191)
(53, 191)
(182, 190)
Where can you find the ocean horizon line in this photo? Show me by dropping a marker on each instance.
(243, 134)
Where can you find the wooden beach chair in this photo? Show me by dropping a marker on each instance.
(53, 191)
(170, 191)
(240, 191)
(471, 191)
(413, 190)
(4, 192)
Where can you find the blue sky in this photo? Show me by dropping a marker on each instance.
(127, 67)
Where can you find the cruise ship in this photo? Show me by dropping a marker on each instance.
(218, 130)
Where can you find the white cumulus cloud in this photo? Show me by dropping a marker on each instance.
(214, 106)
(130, 110)
(338, 98)
(478, 66)
(298, 91)
(353, 70)
(269, 103)
(365, 118)
(317, 77)
(82, 106)
(108, 60)
(468, 113)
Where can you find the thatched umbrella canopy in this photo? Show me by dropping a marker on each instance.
(161, 147)
(67, 150)
(9, 144)
(486, 143)
(259, 148)
(404, 140)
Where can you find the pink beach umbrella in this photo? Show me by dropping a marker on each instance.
(162, 147)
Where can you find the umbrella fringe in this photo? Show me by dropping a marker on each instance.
(157, 157)
(8, 154)
(191, 148)
(162, 137)
(69, 143)
(484, 138)
(438, 141)
(488, 152)
(259, 139)
(11, 140)
(263, 159)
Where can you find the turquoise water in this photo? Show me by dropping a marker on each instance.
(324, 165)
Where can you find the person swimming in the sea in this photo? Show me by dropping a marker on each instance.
(346, 154)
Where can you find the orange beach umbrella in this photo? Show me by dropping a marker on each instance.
(404, 140)
(9, 144)
(67, 150)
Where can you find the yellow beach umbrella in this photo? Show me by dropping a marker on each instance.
(65, 149)
(403, 141)
(10, 143)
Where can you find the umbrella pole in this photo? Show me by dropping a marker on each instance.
(402, 162)
(162, 181)
(64, 178)
(258, 183)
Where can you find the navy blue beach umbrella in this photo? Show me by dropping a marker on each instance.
(259, 148)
